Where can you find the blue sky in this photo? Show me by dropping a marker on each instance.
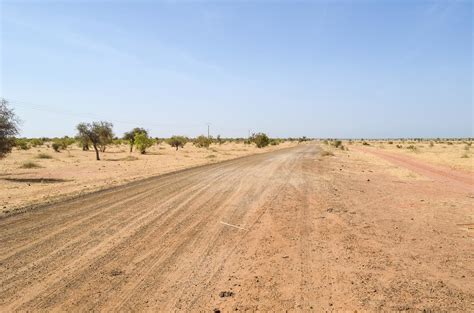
(315, 68)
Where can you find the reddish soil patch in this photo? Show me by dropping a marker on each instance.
(436, 172)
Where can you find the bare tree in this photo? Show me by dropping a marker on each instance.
(100, 134)
(8, 128)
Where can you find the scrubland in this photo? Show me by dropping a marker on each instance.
(40, 175)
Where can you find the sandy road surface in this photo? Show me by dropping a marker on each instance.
(313, 234)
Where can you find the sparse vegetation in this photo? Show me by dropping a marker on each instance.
(177, 142)
(30, 164)
(327, 153)
(202, 142)
(142, 142)
(219, 140)
(8, 128)
(36, 142)
(44, 156)
(84, 142)
(22, 144)
(56, 146)
(100, 135)
(131, 136)
(260, 139)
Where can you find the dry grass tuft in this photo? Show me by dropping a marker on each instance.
(44, 156)
(327, 153)
(30, 164)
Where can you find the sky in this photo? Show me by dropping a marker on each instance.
(345, 69)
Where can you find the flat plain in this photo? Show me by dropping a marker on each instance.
(370, 228)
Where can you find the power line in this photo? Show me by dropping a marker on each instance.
(49, 109)
(55, 110)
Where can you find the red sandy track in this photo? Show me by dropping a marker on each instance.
(436, 172)
(312, 234)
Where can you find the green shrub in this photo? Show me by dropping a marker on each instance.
(177, 142)
(130, 136)
(62, 143)
(260, 139)
(365, 143)
(399, 146)
(36, 142)
(337, 143)
(202, 142)
(56, 146)
(22, 144)
(142, 142)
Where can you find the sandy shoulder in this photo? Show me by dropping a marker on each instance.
(74, 172)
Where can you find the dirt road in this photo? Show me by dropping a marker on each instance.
(437, 172)
(287, 230)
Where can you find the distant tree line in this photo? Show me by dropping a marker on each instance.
(99, 135)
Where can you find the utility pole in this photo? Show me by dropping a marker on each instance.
(208, 133)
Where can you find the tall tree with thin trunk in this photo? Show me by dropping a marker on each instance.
(100, 134)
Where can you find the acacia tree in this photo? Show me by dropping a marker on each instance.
(130, 136)
(8, 128)
(100, 134)
(177, 141)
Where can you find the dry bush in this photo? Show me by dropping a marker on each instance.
(44, 156)
(327, 153)
(30, 164)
